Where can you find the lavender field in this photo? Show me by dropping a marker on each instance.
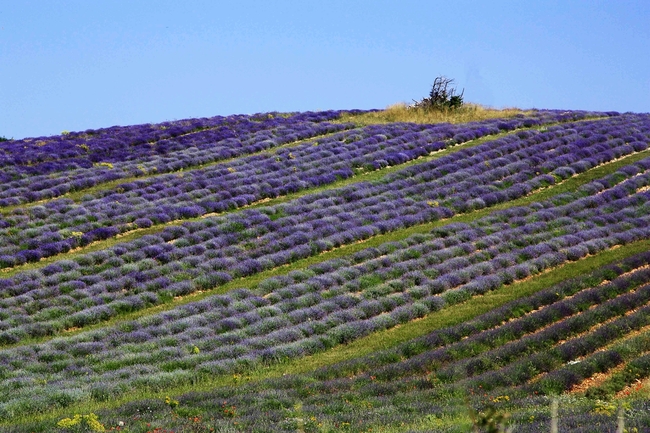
(296, 273)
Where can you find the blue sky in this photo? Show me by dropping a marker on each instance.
(74, 65)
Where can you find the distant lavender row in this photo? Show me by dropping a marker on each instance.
(219, 193)
(194, 246)
(137, 274)
(237, 183)
(117, 144)
(472, 178)
(213, 145)
(304, 312)
(133, 142)
(182, 152)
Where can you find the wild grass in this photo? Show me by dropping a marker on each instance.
(401, 112)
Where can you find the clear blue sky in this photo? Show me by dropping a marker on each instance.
(74, 65)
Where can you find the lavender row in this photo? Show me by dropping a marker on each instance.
(632, 351)
(226, 193)
(574, 329)
(236, 184)
(190, 155)
(498, 171)
(521, 371)
(328, 400)
(361, 379)
(113, 274)
(137, 258)
(531, 332)
(117, 144)
(370, 148)
(449, 263)
(121, 357)
(210, 146)
(135, 275)
(295, 302)
(417, 356)
(183, 152)
(501, 176)
(132, 142)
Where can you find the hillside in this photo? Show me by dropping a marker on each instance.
(328, 271)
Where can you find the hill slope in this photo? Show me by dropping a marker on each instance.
(298, 273)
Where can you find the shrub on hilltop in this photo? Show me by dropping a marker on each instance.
(441, 96)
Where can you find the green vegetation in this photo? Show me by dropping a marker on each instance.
(441, 97)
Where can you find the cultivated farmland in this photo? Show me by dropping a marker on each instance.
(296, 272)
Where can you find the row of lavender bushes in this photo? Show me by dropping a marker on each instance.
(398, 386)
(331, 303)
(39, 155)
(144, 272)
(116, 153)
(469, 179)
(32, 182)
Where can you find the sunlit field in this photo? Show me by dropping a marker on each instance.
(397, 270)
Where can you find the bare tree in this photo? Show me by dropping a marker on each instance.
(441, 95)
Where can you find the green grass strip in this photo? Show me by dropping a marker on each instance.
(449, 316)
